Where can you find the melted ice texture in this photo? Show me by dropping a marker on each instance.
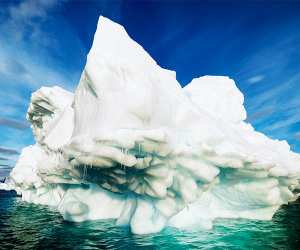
(132, 145)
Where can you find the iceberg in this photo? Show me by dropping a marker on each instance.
(132, 145)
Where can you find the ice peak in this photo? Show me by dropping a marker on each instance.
(111, 40)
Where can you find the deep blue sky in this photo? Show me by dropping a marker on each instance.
(257, 43)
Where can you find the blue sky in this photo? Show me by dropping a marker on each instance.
(257, 43)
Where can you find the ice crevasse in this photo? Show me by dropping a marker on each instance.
(132, 145)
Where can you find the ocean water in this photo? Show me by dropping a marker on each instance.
(28, 226)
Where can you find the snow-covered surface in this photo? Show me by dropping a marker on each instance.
(132, 145)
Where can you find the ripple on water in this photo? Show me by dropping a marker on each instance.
(29, 226)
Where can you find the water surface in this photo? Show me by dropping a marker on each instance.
(28, 226)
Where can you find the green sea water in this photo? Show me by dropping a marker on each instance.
(27, 226)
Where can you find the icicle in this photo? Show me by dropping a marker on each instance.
(122, 166)
(84, 172)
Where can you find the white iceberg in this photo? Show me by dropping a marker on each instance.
(132, 145)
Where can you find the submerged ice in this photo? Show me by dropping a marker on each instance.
(132, 145)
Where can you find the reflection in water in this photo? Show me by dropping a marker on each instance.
(27, 226)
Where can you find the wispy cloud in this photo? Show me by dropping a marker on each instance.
(14, 123)
(33, 54)
(284, 123)
(256, 79)
(275, 92)
(24, 19)
(10, 66)
(4, 172)
(25, 56)
(8, 151)
(14, 69)
(297, 136)
(260, 114)
(3, 166)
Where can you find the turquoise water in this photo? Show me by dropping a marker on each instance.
(27, 226)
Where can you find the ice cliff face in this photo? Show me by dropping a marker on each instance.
(132, 145)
